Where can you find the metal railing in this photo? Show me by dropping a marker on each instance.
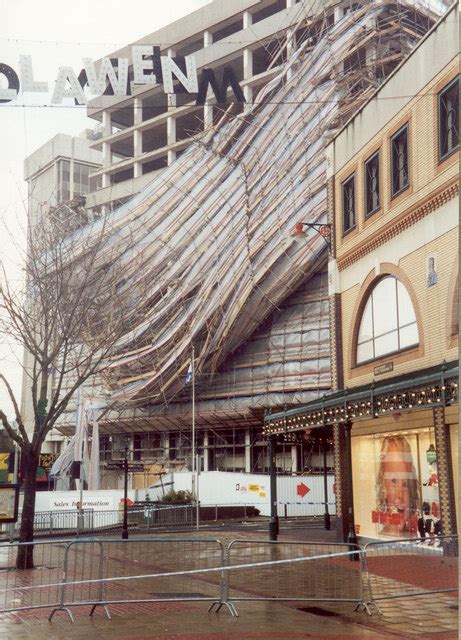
(410, 567)
(73, 522)
(330, 576)
(35, 588)
(105, 571)
(146, 518)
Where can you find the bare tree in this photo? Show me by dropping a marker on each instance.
(68, 316)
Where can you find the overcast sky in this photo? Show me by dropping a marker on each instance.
(55, 33)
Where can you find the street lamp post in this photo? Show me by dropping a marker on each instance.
(125, 496)
(274, 519)
(352, 537)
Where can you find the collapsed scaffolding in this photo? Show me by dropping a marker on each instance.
(210, 260)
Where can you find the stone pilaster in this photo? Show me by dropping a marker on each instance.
(444, 473)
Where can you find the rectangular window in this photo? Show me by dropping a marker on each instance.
(448, 119)
(372, 196)
(399, 161)
(349, 204)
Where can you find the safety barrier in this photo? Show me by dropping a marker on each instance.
(410, 567)
(35, 588)
(294, 571)
(101, 572)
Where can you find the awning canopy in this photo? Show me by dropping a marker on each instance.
(416, 390)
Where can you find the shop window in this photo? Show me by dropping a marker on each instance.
(448, 119)
(397, 482)
(349, 204)
(399, 161)
(372, 195)
(388, 323)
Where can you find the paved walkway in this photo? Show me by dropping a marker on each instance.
(431, 617)
(183, 621)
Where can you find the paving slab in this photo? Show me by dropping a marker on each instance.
(429, 617)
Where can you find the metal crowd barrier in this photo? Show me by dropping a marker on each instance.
(294, 571)
(100, 572)
(410, 567)
(103, 572)
(35, 588)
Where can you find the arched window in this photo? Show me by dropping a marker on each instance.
(388, 321)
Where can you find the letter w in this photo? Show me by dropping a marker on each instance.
(97, 81)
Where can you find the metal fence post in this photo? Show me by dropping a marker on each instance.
(62, 606)
(101, 587)
(224, 586)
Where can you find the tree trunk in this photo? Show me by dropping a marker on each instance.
(25, 557)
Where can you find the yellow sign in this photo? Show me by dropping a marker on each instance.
(262, 494)
(253, 487)
(4, 466)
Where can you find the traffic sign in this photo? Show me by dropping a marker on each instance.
(302, 489)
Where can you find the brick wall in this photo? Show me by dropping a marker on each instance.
(400, 237)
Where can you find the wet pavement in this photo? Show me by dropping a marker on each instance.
(433, 616)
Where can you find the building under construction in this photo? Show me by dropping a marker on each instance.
(221, 286)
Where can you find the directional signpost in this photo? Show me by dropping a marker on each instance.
(119, 465)
(126, 467)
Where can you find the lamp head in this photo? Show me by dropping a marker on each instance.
(298, 231)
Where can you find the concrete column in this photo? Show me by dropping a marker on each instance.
(171, 127)
(247, 451)
(137, 136)
(338, 14)
(247, 19)
(290, 48)
(207, 38)
(294, 458)
(106, 147)
(165, 444)
(247, 64)
(71, 169)
(207, 116)
(205, 452)
(248, 73)
(54, 198)
(290, 38)
(171, 137)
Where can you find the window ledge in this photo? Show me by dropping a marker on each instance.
(398, 357)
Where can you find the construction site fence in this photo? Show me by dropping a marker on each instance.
(100, 572)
